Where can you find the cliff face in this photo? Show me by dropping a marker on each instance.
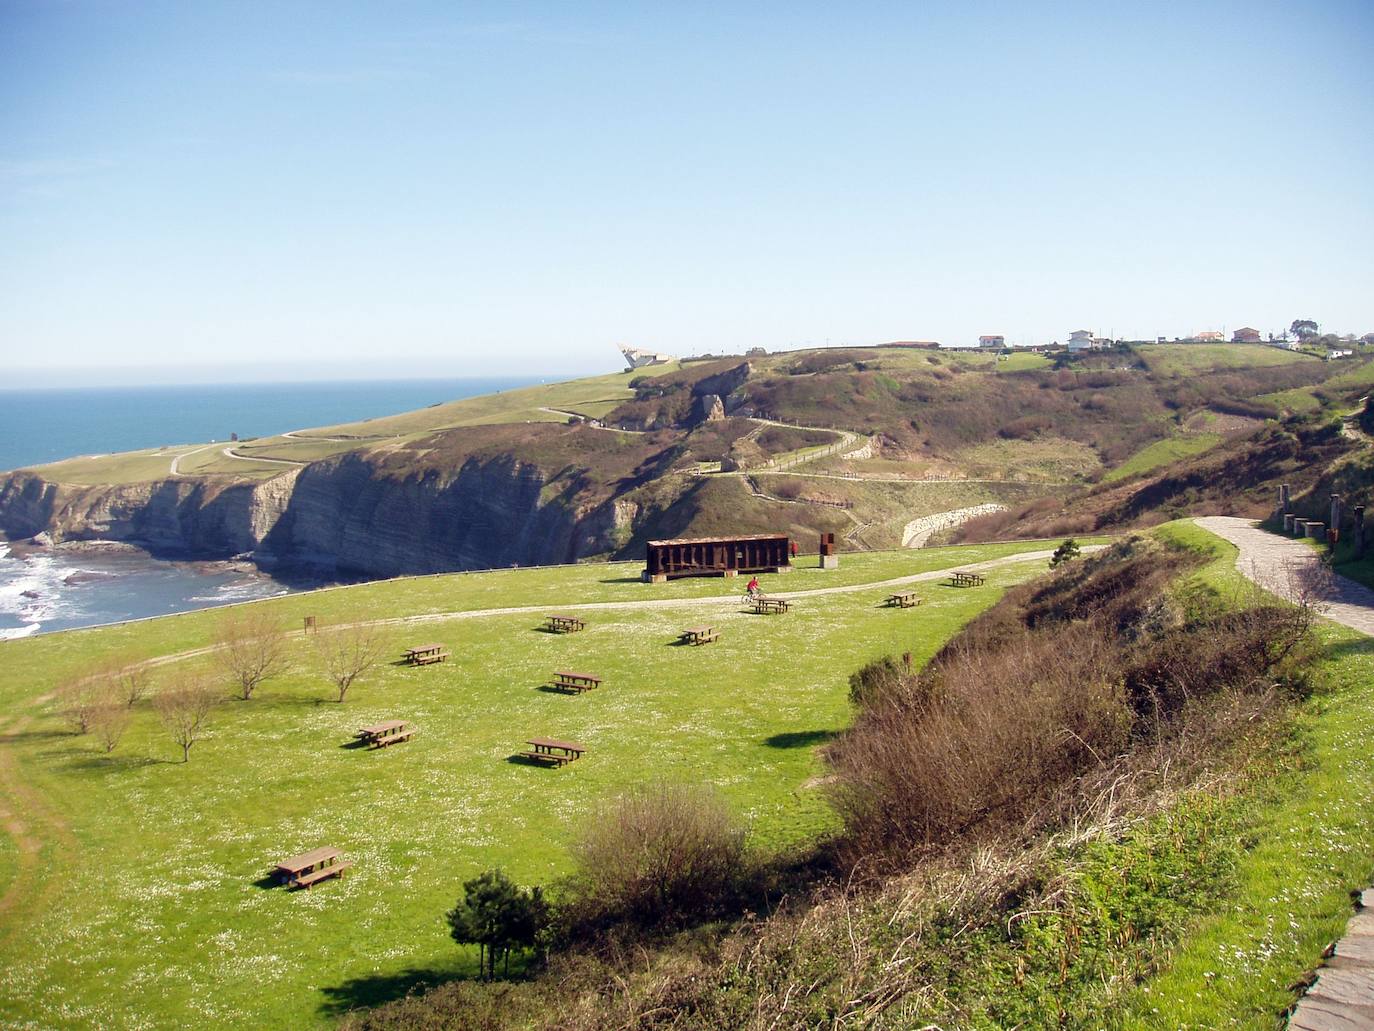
(342, 514)
(192, 517)
(346, 515)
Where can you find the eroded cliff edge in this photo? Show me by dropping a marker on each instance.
(345, 515)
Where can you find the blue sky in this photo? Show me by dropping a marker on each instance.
(336, 189)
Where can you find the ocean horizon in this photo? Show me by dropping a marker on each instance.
(39, 425)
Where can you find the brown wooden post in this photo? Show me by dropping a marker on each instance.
(310, 627)
(1336, 512)
(1359, 531)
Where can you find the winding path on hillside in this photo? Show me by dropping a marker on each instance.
(1282, 565)
(1342, 997)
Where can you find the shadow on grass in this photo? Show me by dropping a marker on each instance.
(800, 738)
(268, 882)
(355, 745)
(550, 689)
(622, 580)
(105, 761)
(1342, 649)
(376, 989)
(524, 760)
(19, 737)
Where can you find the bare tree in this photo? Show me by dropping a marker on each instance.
(81, 698)
(184, 708)
(128, 679)
(348, 653)
(109, 722)
(251, 646)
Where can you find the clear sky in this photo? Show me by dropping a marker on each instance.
(340, 189)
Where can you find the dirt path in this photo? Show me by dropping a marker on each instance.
(1278, 564)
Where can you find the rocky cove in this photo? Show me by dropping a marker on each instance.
(344, 516)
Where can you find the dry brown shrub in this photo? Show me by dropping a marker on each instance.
(987, 737)
(79, 701)
(659, 856)
(347, 653)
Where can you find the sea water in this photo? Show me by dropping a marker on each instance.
(44, 589)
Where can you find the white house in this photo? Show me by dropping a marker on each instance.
(992, 341)
(1083, 340)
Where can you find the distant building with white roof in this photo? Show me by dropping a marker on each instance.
(637, 359)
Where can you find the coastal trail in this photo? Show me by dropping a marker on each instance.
(658, 603)
(1281, 565)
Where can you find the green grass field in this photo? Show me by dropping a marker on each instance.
(1182, 359)
(145, 885)
(1163, 452)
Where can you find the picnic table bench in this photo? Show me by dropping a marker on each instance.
(424, 654)
(379, 735)
(771, 606)
(699, 635)
(565, 680)
(311, 867)
(963, 578)
(553, 752)
(563, 624)
(903, 600)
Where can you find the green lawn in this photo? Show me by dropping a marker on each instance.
(1163, 452)
(1182, 359)
(147, 889)
(125, 467)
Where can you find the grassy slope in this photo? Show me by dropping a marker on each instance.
(1311, 845)
(175, 904)
(1164, 452)
(1187, 358)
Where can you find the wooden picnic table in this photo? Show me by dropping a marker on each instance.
(309, 868)
(963, 578)
(698, 635)
(566, 680)
(379, 735)
(424, 654)
(552, 751)
(560, 623)
(771, 606)
(903, 599)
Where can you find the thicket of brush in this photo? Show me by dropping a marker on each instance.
(1023, 832)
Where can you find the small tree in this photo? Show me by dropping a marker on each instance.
(81, 698)
(184, 708)
(109, 722)
(497, 916)
(348, 653)
(1064, 553)
(251, 647)
(128, 680)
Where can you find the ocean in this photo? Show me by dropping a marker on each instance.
(45, 589)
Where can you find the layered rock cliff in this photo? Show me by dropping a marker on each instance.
(347, 515)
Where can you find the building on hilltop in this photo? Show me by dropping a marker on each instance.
(1081, 340)
(1246, 335)
(992, 341)
(637, 359)
(1210, 336)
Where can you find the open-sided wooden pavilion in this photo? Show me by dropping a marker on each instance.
(717, 556)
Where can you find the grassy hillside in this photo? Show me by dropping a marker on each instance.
(93, 912)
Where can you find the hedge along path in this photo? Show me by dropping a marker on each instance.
(655, 603)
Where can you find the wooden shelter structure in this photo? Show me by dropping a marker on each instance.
(717, 556)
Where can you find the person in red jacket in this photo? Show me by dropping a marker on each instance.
(753, 586)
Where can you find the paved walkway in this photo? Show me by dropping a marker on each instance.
(1342, 998)
(1279, 564)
